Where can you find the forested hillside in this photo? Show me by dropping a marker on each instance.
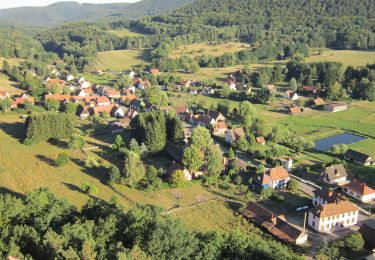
(66, 12)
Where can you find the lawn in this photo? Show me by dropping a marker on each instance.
(9, 86)
(11, 61)
(124, 32)
(198, 49)
(104, 79)
(346, 57)
(121, 59)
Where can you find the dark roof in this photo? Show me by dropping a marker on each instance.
(136, 103)
(336, 171)
(358, 156)
(367, 231)
(174, 151)
(327, 195)
(213, 114)
(237, 162)
(276, 225)
(174, 167)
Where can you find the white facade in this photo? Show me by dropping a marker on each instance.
(70, 77)
(336, 181)
(119, 112)
(334, 222)
(279, 183)
(85, 84)
(364, 198)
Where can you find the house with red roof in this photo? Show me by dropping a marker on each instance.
(294, 111)
(22, 100)
(219, 128)
(276, 178)
(360, 191)
(86, 92)
(102, 101)
(261, 140)
(154, 71)
(310, 90)
(234, 134)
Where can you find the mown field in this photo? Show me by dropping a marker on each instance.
(121, 59)
(198, 49)
(26, 168)
(346, 57)
(124, 32)
(9, 86)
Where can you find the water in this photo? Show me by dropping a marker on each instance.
(325, 144)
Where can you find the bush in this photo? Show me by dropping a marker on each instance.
(89, 188)
(62, 159)
(354, 242)
(276, 196)
(114, 175)
(91, 162)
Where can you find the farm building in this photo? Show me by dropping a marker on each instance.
(335, 107)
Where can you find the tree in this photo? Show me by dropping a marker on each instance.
(156, 96)
(263, 96)
(260, 169)
(215, 160)
(62, 159)
(175, 132)
(293, 85)
(192, 158)
(52, 105)
(201, 138)
(293, 186)
(231, 154)
(152, 174)
(266, 193)
(333, 91)
(134, 169)
(89, 188)
(6, 67)
(5, 104)
(247, 109)
(354, 241)
(114, 175)
(178, 179)
(70, 108)
(225, 91)
(76, 142)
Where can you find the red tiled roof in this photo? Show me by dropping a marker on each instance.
(295, 110)
(180, 110)
(278, 173)
(334, 209)
(359, 188)
(261, 140)
(106, 109)
(102, 99)
(319, 102)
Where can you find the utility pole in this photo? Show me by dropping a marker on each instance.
(304, 222)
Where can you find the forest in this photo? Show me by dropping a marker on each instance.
(43, 226)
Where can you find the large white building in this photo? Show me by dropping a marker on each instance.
(333, 216)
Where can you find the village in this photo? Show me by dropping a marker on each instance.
(338, 207)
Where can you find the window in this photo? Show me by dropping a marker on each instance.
(313, 223)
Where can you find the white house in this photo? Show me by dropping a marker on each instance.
(234, 134)
(119, 112)
(360, 191)
(69, 77)
(333, 216)
(334, 174)
(85, 84)
(279, 177)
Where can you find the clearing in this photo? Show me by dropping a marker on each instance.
(125, 32)
(346, 57)
(198, 49)
(121, 59)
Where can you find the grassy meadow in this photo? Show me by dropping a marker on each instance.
(9, 86)
(121, 59)
(198, 49)
(346, 57)
(125, 32)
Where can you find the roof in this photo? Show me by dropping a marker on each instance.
(56, 81)
(319, 102)
(334, 209)
(237, 162)
(220, 125)
(106, 109)
(278, 173)
(237, 133)
(367, 231)
(4, 94)
(327, 195)
(276, 225)
(180, 110)
(295, 110)
(102, 99)
(335, 171)
(214, 114)
(261, 140)
(358, 156)
(113, 92)
(154, 71)
(263, 179)
(310, 89)
(88, 91)
(174, 167)
(359, 188)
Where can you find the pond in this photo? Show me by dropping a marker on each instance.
(325, 144)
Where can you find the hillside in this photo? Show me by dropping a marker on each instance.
(66, 12)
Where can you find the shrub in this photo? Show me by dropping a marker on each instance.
(62, 159)
(89, 188)
(91, 162)
(354, 242)
(276, 196)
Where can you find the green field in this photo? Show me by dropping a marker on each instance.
(124, 32)
(346, 57)
(11, 61)
(9, 86)
(198, 49)
(121, 59)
